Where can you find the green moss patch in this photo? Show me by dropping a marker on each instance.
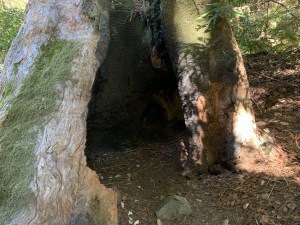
(6, 93)
(28, 112)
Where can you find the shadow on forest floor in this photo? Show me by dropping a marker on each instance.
(268, 193)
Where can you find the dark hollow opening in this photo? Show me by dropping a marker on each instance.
(134, 96)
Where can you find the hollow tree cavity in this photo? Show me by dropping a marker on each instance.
(134, 96)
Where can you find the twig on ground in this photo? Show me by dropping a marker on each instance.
(256, 221)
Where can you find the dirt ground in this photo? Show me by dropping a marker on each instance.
(266, 192)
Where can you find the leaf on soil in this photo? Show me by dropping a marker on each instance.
(246, 205)
(159, 222)
(226, 222)
(130, 221)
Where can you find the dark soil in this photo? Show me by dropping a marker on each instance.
(263, 193)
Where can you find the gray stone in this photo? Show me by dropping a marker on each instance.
(173, 207)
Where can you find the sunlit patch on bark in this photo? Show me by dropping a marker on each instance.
(244, 129)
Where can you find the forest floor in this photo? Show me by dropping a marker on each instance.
(267, 191)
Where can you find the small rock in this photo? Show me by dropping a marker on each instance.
(173, 207)
(137, 166)
(246, 205)
(265, 196)
(292, 206)
(122, 205)
(226, 222)
(136, 222)
(130, 213)
(159, 222)
(262, 182)
(285, 209)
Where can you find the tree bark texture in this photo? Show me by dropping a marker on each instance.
(64, 190)
(212, 84)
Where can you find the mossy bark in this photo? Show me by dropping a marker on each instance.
(44, 92)
(26, 116)
(212, 84)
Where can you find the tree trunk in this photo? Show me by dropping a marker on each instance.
(45, 89)
(212, 84)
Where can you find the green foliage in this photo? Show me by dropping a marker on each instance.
(268, 26)
(11, 17)
(272, 26)
(27, 113)
(217, 10)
